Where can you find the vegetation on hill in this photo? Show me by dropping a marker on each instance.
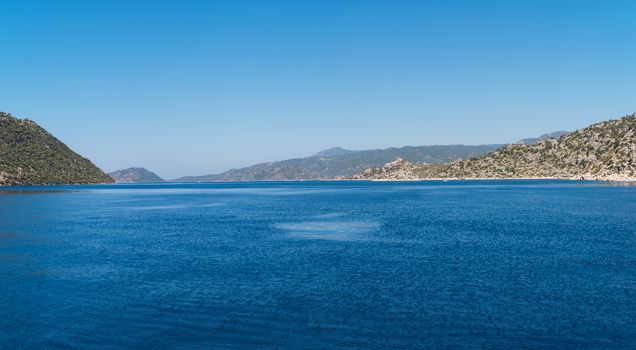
(135, 175)
(603, 151)
(29, 155)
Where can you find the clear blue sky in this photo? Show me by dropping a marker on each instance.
(196, 87)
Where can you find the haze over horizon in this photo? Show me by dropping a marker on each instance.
(199, 87)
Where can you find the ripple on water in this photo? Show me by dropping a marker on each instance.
(329, 216)
(357, 266)
(174, 206)
(329, 230)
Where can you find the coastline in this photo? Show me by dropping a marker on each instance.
(617, 179)
(583, 178)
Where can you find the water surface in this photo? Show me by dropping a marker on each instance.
(319, 265)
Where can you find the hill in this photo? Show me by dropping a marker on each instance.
(135, 175)
(333, 152)
(29, 155)
(603, 151)
(341, 164)
(533, 140)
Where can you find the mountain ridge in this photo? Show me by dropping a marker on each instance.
(344, 165)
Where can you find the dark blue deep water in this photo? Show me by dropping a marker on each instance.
(319, 265)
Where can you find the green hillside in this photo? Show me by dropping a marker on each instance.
(29, 155)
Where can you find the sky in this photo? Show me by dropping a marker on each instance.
(199, 87)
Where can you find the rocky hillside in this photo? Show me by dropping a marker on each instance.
(135, 175)
(340, 163)
(402, 170)
(603, 151)
(29, 155)
(398, 169)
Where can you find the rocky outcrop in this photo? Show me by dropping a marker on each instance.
(398, 169)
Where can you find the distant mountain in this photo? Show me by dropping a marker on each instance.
(603, 151)
(29, 155)
(135, 175)
(333, 152)
(343, 164)
(532, 141)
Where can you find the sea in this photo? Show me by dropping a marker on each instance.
(525, 264)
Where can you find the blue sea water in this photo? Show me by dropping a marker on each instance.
(319, 265)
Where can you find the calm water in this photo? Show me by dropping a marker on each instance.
(319, 265)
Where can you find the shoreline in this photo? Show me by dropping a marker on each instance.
(620, 179)
(615, 180)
